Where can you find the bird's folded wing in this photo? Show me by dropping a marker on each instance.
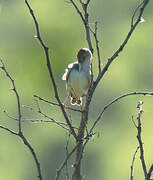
(68, 70)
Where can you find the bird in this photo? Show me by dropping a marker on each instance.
(78, 77)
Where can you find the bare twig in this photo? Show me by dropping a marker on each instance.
(150, 172)
(133, 160)
(115, 55)
(116, 100)
(134, 122)
(26, 142)
(38, 107)
(139, 106)
(119, 50)
(94, 32)
(9, 130)
(136, 10)
(46, 50)
(65, 161)
(67, 152)
(20, 132)
(55, 104)
(97, 47)
(88, 1)
(78, 10)
(16, 94)
(61, 124)
(11, 117)
(85, 20)
(38, 121)
(33, 120)
(24, 139)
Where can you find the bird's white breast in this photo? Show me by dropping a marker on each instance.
(79, 81)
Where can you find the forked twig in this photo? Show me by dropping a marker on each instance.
(46, 50)
(61, 124)
(20, 132)
(119, 50)
(148, 174)
(85, 19)
(16, 94)
(114, 101)
(139, 106)
(136, 10)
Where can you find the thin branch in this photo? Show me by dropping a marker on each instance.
(11, 117)
(32, 120)
(65, 161)
(114, 101)
(67, 152)
(94, 32)
(9, 130)
(16, 94)
(97, 47)
(46, 49)
(61, 124)
(23, 138)
(88, 1)
(150, 172)
(36, 121)
(37, 103)
(40, 121)
(55, 104)
(85, 20)
(119, 50)
(134, 122)
(133, 160)
(20, 133)
(140, 139)
(78, 11)
(26, 142)
(136, 10)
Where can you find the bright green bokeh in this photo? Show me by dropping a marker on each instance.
(109, 155)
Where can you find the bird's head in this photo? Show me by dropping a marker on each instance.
(83, 55)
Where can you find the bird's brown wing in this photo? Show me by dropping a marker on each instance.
(68, 70)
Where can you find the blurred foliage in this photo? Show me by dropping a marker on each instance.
(109, 154)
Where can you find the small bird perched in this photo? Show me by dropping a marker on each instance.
(78, 77)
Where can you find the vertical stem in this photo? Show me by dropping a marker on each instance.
(80, 140)
(87, 28)
(140, 139)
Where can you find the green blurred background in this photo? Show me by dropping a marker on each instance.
(109, 154)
